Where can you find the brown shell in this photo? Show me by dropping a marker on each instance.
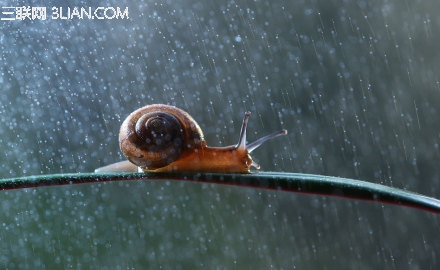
(156, 135)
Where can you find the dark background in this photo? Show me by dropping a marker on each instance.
(356, 84)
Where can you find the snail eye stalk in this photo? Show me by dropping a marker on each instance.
(254, 145)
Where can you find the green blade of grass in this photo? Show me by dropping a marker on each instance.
(290, 182)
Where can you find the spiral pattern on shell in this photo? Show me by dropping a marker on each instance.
(156, 135)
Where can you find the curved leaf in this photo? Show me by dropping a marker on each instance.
(291, 182)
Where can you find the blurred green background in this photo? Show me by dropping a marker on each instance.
(356, 84)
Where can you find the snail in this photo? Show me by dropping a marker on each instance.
(162, 138)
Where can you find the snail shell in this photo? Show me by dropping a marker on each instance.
(157, 135)
(162, 138)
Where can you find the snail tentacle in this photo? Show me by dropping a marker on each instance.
(254, 145)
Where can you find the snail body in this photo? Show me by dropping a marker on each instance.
(162, 138)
